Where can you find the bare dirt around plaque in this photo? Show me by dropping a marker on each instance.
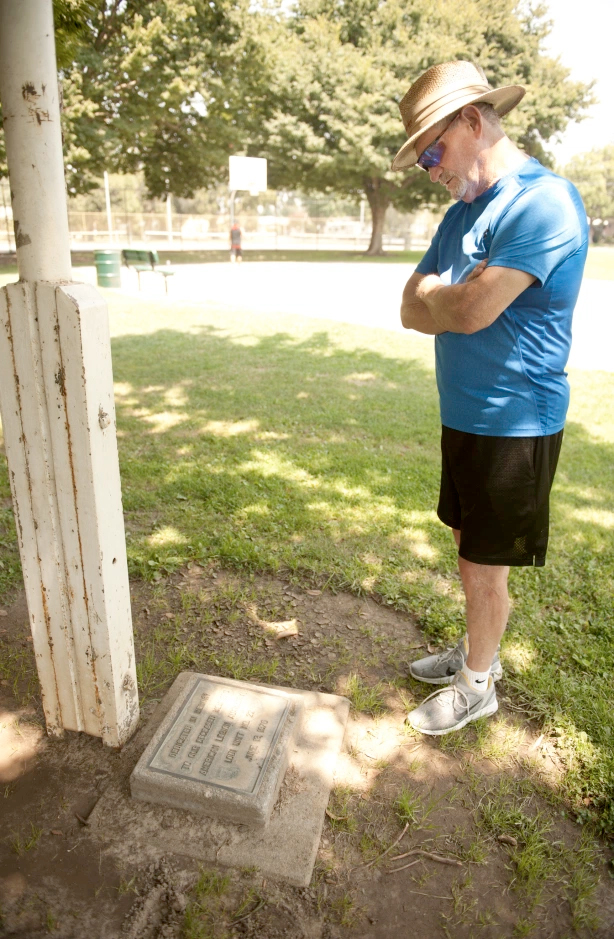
(466, 797)
(285, 849)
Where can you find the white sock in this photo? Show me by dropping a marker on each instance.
(477, 680)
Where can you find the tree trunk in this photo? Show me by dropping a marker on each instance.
(378, 203)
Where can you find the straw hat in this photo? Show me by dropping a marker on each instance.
(442, 90)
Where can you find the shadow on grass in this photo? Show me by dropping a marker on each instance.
(278, 452)
(295, 455)
(299, 455)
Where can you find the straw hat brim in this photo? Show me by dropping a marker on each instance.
(502, 99)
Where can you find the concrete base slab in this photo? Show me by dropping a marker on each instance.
(222, 749)
(285, 850)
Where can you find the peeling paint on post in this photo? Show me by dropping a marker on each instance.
(58, 415)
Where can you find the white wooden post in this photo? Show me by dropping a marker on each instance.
(58, 416)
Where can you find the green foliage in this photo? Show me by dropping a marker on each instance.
(210, 882)
(593, 174)
(204, 910)
(539, 861)
(345, 67)
(364, 697)
(408, 807)
(170, 86)
(20, 844)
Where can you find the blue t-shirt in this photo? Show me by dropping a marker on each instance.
(509, 379)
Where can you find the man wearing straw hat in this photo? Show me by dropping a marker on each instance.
(496, 288)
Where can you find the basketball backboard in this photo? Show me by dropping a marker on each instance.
(247, 173)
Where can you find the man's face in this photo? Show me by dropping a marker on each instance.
(457, 165)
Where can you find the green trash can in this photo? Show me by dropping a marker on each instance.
(108, 268)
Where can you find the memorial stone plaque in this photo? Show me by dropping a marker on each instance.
(222, 750)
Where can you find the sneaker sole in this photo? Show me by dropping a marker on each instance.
(484, 712)
(497, 675)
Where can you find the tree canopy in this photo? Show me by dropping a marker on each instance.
(593, 174)
(173, 87)
(345, 67)
(168, 86)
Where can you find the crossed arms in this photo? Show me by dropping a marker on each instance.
(428, 306)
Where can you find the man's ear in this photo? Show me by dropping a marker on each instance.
(474, 118)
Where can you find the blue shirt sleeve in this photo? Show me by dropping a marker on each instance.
(539, 230)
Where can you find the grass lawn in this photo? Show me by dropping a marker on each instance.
(310, 448)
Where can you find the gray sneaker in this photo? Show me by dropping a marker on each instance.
(451, 708)
(440, 668)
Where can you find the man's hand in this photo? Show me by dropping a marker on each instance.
(474, 305)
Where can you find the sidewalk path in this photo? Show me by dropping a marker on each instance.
(366, 294)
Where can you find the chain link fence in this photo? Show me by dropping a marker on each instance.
(175, 231)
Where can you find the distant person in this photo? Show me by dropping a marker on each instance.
(236, 253)
(497, 289)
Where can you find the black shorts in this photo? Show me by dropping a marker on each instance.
(496, 491)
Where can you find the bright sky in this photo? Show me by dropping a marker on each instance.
(582, 38)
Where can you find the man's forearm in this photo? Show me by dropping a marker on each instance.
(415, 314)
(468, 307)
(448, 306)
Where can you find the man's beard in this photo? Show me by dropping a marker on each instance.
(457, 188)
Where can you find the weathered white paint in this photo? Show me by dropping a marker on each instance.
(58, 415)
(31, 113)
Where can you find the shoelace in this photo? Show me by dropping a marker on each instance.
(457, 692)
(446, 656)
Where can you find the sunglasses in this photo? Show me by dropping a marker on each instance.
(433, 154)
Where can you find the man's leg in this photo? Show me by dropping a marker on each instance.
(487, 598)
(471, 692)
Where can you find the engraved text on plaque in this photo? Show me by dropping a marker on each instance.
(223, 736)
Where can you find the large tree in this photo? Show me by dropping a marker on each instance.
(167, 86)
(345, 66)
(593, 174)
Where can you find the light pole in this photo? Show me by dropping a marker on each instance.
(58, 414)
(107, 202)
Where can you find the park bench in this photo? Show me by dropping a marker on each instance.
(143, 261)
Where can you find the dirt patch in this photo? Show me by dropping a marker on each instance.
(500, 855)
